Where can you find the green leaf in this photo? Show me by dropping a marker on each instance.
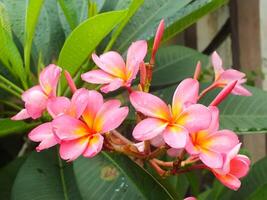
(190, 14)
(49, 36)
(4, 19)
(143, 24)
(32, 15)
(177, 15)
(44, 176)
(85, 38)
(175, 63)
(68, 8)
(7, 177)
(8, 126)
(116, 177)
(259, 194)
(10, 56)
(135, 5)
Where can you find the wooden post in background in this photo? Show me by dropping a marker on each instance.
(246, 51)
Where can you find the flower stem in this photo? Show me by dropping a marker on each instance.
(157, 168)
(163, 163)
(205, 91)
(194, 167)
(121, 137)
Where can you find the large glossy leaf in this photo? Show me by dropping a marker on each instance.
(32, 16)
(143, 24)
(7, 177)
(72, 13)
(85, 38)
(7, 126)
(4, 19)
(175, 63)
(260, 193)
(242, 114)
(10, 56)
(49, 35)
(134, 6)
(44, 176)
(116, 177)
(177, 14)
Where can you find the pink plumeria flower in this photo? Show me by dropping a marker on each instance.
(36, 98)
(209, 144)
(58, 106)
(223, 77)
(235, 167)
(113, 72)
(83, 137)
(174, 123)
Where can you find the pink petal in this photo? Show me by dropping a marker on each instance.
(78, 102)
(228, 157)
(150, 105)
(214, 123)
(110, 116)
(175, 136)
(239, 166)
(94, 146)
(224, 93)
(186, 92)
(97, 77)
(148, 129)
(95, 101)
(23, 114)
(195, 117)
(35, 101)
(110, 62)
(58, 106)
(44, 134)
(140, 146)
(190, 147)
(135, 55)
(157, 141)
(48, 79)
(157, 39)
(232, 75)
(190, 198)
(217, 64)
(112, 86)
(229, 181)
(69, 128)
(70, 150)
(240, 90)
(223, 141)
(211, 158)
(70, 81)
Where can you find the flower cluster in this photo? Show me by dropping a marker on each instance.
(186, 129)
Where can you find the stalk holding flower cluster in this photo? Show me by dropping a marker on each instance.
(186, 130)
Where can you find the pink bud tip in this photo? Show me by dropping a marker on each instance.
(70, 81)
(157, 39)
(197, 70)
(223, 94)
